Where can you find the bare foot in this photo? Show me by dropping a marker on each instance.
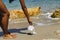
(9, 36)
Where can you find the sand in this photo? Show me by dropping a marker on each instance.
(47, 32)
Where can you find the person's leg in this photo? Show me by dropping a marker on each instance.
(4, 20)
(4, 23)
(4, 26)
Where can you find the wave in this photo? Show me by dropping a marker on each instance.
(48, 16)
(46, 19)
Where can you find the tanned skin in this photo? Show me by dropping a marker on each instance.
(25, 11)
(4, 18)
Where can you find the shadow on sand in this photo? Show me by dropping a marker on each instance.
(15, 31)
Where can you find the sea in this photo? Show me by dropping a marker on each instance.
(46, 5)
(47, 8)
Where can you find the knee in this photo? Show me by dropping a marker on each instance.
(6, 14)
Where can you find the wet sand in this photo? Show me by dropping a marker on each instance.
(46, 32)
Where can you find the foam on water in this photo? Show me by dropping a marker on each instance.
(47, 19)
(48, 16)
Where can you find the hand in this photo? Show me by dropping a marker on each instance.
(30, 21)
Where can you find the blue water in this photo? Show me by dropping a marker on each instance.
(46, 5)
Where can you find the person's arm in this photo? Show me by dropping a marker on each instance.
(25, 11)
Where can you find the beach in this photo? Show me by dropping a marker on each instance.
(45, 30)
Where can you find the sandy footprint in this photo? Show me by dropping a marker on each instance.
(57, 32)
